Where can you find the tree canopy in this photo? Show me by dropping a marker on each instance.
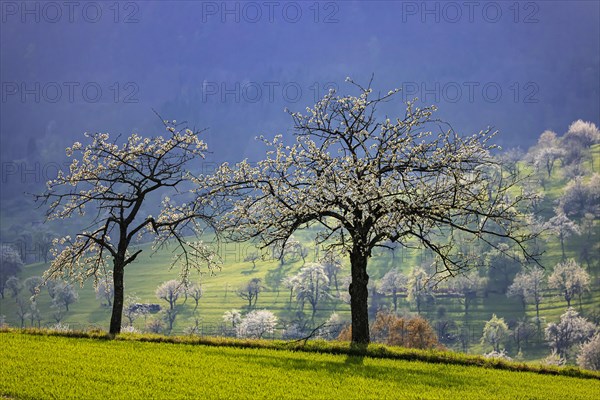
(115, 180)
(367, 179)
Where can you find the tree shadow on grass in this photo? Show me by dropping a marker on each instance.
(274, 276)
(433, 375)
(357, 354)
(249, 271)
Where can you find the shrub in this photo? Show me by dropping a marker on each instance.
(58, 327)
(554, 359)
(129, 329)
(498, 354)
(392, 330)
(346, 334)
(332, 327)
(155, 325)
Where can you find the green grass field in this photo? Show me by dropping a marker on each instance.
(51, 367)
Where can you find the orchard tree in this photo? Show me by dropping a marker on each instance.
(529, 286)
(419, 287)
(252, 257)
(311, 285)
(563, 227)
(42, 240)
(105, 290)
(34, 313)
(521, 331)
(289, 282)
(569, 279)
(589, 246)
(64, 295)
(509, 159)
(589, 356)
(170, 291)
(547, 152)
(391, 284)
(233, 317)
(332, 265)
(256, 324)
(495, 332)
(10, 265)
(22, 311)
(581, 135)
(155, 325)
(132, 308)
(114, 181)
(290, 249)
(195, 291)
(369, 180)
(502, 267)
(14, 285)
(32, 284)
(523, 286)
(581, 197)
(406, 332)
(570, 331)
(303, 253)
(466, 285)
(249, 291)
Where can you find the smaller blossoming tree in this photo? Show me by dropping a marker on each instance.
(116, 181)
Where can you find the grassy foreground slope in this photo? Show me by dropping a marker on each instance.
(41, 367)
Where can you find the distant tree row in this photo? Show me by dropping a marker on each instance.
(573, 337)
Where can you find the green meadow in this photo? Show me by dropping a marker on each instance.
(55, 367)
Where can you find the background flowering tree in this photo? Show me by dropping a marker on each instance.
(115, 181)
(368, 180)
(310, 284)
(256, 324)
(392, 283)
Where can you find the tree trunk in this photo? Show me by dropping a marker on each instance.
(359, 295)
(117, 310)
(316, 300)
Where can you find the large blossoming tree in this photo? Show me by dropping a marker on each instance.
(368, 180)
(118, 183)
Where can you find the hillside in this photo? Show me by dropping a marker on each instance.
(219, 296)
(126, 369)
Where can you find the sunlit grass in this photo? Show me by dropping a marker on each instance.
(43, 367)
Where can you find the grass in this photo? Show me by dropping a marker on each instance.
(45, 366)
